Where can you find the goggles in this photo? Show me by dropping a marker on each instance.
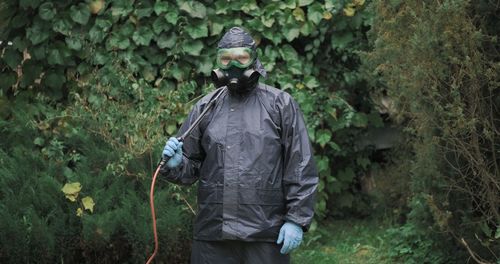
(241, 57)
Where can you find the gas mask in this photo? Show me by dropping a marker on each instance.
(236, 69)
(237, 80)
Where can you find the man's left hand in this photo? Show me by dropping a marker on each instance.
(291, 236)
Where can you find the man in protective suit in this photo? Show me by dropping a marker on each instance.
(253, 161)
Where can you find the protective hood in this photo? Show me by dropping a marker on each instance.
(238, 37)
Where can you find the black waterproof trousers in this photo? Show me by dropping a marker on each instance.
(237, 252)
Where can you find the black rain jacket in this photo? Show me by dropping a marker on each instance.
(254, 165)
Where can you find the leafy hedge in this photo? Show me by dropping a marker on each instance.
(438, 63)
(90, 90)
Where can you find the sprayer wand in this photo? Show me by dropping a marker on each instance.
(165, 159)
(197, 121)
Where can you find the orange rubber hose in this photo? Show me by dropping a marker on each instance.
(153, 214)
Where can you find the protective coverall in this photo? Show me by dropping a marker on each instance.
(254, 165)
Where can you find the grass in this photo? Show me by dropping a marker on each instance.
(345, 242)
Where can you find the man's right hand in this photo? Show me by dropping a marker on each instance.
(173, 152)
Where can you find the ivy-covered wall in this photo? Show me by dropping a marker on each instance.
(90, 90)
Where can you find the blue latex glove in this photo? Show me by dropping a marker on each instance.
(173, 150)
(291, 236)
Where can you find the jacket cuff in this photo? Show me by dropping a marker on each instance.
(305, 225)
(171, 173)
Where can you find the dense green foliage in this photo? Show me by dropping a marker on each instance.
(90, 90)
(438, 63)
(40, 226)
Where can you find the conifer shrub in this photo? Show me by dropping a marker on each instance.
(40, 225)
(438, 62)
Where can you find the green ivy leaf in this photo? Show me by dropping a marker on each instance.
(172, 17)
(143, 12)
(12, 58)
(329, 4)
(305, 2)
(291, 33)
(31, 71)
(330, 178)
(19, 20)
(306, 28)
(143, 36)
(255, 24)
(166, 41)
(64, 53)
(160, 7)
(177, 72)
(55, 57)
(127, 29)
(196, 31)
(221, 7)
(99, 31)
(100, 57)
(36, 34)
(205, 65)
(322, 163)
(122, 9)
(149, 74)
(62, 26)
(117, 42)
(295, 67)
(20, 43)
(104, 24)
(160, 25)
(286, 82)
(216, 28)
(47, 11)
(271, 35)
(250, 7)
(193, 47)
(323, 136)
(193, 8)
(80, 14)
(311, 82)
(315, 13)
(54, 80)
(267, 21)
(288, 4)
(288, 53)
(334, 146)
(7, 79)
(96, 34)
(299, 14)
(73, 43)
